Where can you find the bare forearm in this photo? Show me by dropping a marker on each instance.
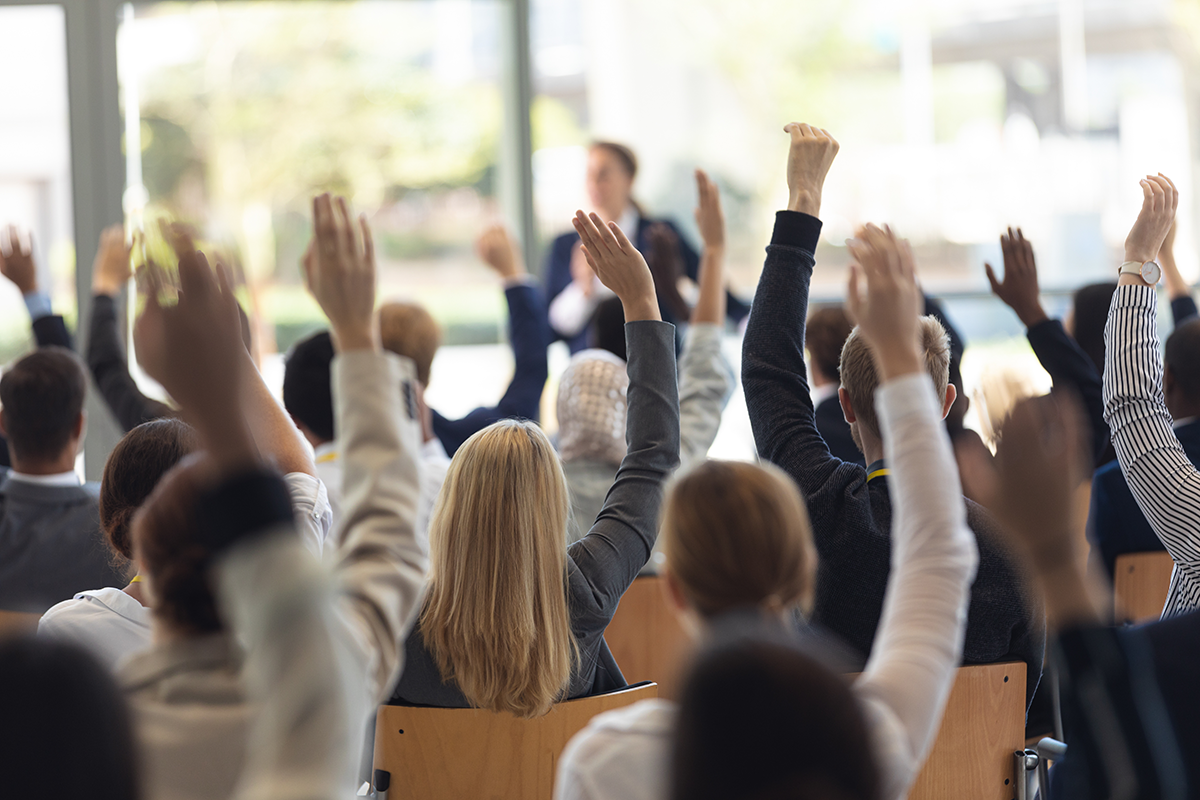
(710, 307)
(276, 435)
(1176, 285)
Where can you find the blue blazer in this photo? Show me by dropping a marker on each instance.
(1115, 523)
(558, 275)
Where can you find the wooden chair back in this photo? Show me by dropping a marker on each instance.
(18, 622)
(983, 726)
(1140, 584)
(453, 753)
(645, 637)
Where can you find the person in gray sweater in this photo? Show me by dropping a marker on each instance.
(514, 619)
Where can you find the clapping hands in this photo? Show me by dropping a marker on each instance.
(884, 301)
(339, 271)
(619, 266)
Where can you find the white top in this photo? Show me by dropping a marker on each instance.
(112, 625)
(329, 470)
(623, 754)
(58, 479)
(106, 622)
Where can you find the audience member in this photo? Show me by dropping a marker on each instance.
(113, 623)
(1183, 305)
(719, 508)
(573, 290)
(607, 328)
(1120, 738)
(502, 629)
(51, 545)
(410, 331)
(1162, 479)
(308, 398)
(850, 506)
(825, 332)
(66, 730)
(312, 672)
(592, 392)
(49, 329)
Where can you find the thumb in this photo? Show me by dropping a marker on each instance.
(991, 276)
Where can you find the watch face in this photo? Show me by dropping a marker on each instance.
(1151, 272)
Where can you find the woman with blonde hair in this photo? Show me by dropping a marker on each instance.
(738, 540)
(514, 619)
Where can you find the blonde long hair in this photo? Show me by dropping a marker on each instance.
(495, 617)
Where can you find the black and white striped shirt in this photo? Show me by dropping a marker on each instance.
(1162, 479)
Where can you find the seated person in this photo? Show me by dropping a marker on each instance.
(1164, 482)
(851, 507)
(323, 647)
(1116, 524)
(592, 391)
(825, 332)
(51, 545)
(513, 618)
(573, 290)
(113, 623)
(409, 330)
(719, 508)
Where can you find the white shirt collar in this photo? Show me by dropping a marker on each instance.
(822, 393)
(628, 223)
(1179, 423)
(61, 479)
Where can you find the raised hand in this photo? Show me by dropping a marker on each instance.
(887, 308)
(709, 217)
(666, 265)
(619, 266)
(809, 158)
(498, 250)
(16, 262)
(1019, 289)
(340, 273)
(111, 269)
(194, 349)
(1160, 198)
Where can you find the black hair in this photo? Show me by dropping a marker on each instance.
(307, 386)
(42, 396)
(1091, 315)
(606, 331)
(67, 731)
(1182, 356)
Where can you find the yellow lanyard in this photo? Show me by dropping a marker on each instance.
(136, 579)
(877, 473)
(325, 459)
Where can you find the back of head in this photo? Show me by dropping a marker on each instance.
(737, 536)
(860, 378)
(307, 385)
(607, 329)
(760, 720)
(408, 330)
(172, 556)
(133, 470)
(42, 397)
(495, 616)
(592, 408)
(66, 731)
(825, 333)
(1182, 357)
(1090, 314)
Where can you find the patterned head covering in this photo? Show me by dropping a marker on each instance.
(592, 408)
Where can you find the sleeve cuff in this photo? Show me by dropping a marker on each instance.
(243, 508)
(518, 281)
(1136, 297)
(38, 305)
(794, 229)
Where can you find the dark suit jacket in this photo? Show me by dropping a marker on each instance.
(1116, 524)
(851, 516)
(1069, 366)
(529, 334)
(51, 545)
(50, 331)
(110, 368)
(832, 425)
(558, 275)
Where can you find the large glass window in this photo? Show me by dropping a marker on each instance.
(35, 166)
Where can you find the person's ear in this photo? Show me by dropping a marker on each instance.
(951, 394)
(847, 408)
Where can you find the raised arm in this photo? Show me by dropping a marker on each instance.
(1162, 479)
(1183, 305)
(17, 264)
(105, 356)
(706, 378)
(919, 642)
(774, 374)
(1059, 354)
(622, 538)
(380, 564)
